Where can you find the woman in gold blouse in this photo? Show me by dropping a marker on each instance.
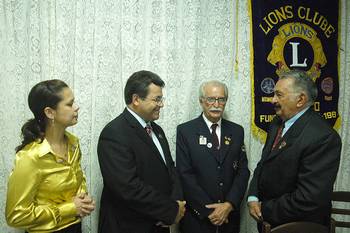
(47, 189)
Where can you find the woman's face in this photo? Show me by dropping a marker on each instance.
(66, 112)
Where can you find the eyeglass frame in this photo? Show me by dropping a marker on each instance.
(212, 100)
(158, 100)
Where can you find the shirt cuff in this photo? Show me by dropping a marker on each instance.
(67, 210)
(252, 198)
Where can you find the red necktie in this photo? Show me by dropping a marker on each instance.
(278, 136)
(148, 128)
(215, 136)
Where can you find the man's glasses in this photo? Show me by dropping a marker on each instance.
(158, 100)
(212, 100)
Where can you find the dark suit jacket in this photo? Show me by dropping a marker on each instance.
(139, 188)
(208, 178)
(295, 180)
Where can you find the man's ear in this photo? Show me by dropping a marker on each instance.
(135, 100)
(302, 100)
(49, 113)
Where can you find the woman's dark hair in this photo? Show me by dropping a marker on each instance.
(138, 84)
(44, 94)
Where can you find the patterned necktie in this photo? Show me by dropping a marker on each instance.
(148, 128)
(215, 136)
(278, 136)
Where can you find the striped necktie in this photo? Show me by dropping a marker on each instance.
(148, 129)
(278, 136)
(215, 136)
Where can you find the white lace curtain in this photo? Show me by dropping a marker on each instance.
(95, 45)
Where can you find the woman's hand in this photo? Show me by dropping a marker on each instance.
(84, 204)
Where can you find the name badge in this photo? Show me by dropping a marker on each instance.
(202, 140)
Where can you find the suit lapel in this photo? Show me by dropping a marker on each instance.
(226, 140)
(290, 136)
(268, 152)
(163, 143)
(203, 130)
(142, 134)
(270, 141)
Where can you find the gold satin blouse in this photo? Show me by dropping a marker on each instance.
(41, 187)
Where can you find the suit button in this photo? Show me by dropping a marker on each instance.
(219, 167)
(221, 184)
(219, 201)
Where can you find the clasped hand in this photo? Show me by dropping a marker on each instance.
(180, 213)
(220, 213)
(84, 204)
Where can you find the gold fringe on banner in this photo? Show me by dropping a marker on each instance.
(256, 131)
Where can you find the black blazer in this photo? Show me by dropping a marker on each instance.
(139, 188)
(208, 178)
(295, 180)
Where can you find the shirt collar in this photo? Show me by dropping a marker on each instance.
(138, 118)
(292, 120)
(45, 148)
(209, 123)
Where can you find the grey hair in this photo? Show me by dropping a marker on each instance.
(302, 83)
(214, 83)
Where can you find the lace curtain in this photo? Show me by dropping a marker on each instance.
(96, 45)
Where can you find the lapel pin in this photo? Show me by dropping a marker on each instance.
(227, 140)
(283, 144)
(209, 145)
(160, 136)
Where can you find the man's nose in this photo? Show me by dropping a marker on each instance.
(274, 99)
(76, 107)
(216, 103)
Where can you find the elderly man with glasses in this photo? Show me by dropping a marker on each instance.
(212, 164)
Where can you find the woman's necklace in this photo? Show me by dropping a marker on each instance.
(61, 150)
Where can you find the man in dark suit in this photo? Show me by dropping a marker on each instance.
(294, 179)
(212, 162)
(141, 192)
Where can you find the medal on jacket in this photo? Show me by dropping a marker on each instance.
(227, 140)
(283, 144)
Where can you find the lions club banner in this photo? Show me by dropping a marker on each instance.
(294, 34)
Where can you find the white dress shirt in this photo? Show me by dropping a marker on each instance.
(218, 128)
(154, 137)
